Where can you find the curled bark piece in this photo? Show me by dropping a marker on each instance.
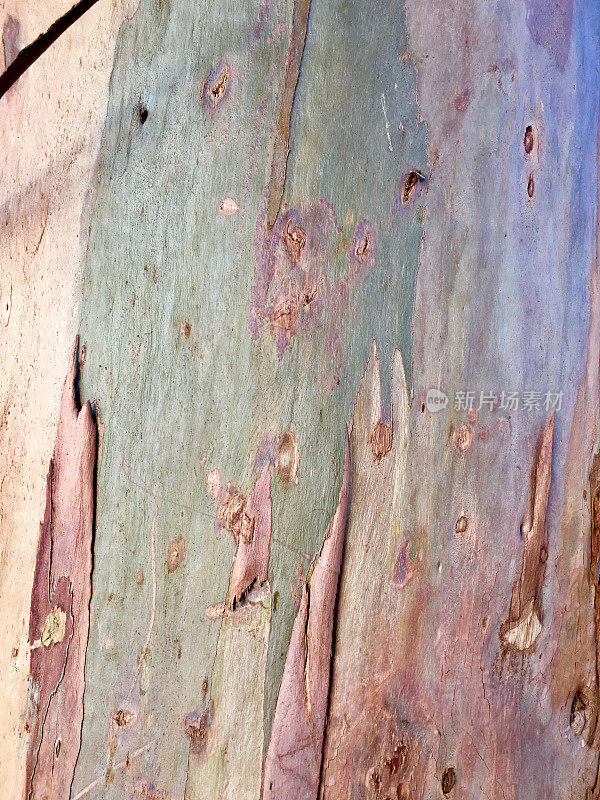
(251, 563)
(59, 618)
(293, 762)
(524, 625)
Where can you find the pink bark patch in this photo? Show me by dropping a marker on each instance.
(403, 568)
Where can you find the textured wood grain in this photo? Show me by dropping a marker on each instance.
(455, 710)
(226, 739)
(190, 304)
(362, 738)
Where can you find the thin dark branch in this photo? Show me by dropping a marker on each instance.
(30, 54)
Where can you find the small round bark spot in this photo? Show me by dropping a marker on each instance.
(412, 180)
(462, 523)
(185, 329)
(295, 240)
(381, 440)
(123, 718)
(463, 438)
(228, 207)
(217, 86)
(364, 248)
(448, 780)
(175, 553)
(531, 186)
(286, 457)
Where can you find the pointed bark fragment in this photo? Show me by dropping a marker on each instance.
(293, 762)
(59, 619)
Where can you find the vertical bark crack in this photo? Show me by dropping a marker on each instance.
(281, 149)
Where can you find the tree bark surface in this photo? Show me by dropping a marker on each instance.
(281, 229)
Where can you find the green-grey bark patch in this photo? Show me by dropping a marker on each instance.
(185, 389)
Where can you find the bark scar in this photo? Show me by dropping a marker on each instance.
(251, 562)
(524, 624)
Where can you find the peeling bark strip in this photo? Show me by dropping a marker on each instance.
(251, 563)
(523, 625)
(293, 763)
(30, 54)
(281, 147)
(59, 619)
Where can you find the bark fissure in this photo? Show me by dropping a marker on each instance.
(281, 147)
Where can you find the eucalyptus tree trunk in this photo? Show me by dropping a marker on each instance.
(318, 482)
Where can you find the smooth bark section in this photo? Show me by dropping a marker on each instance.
(59, 621)
(293, 762)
